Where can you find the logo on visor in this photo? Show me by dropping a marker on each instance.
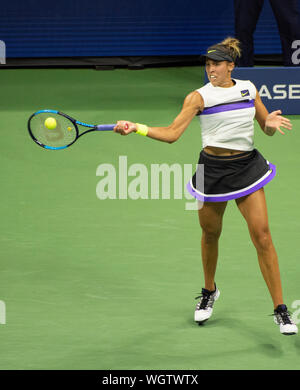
(245, 93)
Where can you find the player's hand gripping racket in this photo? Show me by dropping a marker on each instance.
(52, 129)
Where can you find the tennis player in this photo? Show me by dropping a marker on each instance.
(233, 169)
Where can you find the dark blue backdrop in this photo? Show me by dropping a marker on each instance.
(70, 28)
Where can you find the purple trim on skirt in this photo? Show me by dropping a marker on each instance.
(228, 107)
(224, 198)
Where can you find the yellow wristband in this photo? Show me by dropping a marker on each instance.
(141, 129)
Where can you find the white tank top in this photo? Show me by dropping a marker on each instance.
(227, 120)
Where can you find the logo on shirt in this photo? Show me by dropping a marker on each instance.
(245, 92)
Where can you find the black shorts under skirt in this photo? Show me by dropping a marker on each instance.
(222, 178)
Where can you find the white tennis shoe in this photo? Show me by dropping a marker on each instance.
(204, 308)
(283, 319)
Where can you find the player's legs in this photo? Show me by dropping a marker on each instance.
(254, 209)
(210, 218)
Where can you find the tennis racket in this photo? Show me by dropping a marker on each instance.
(62, 133)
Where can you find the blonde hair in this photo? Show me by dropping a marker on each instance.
(231, 46)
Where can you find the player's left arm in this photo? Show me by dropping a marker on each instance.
(270, 122)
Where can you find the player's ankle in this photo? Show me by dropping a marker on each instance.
(210, 287)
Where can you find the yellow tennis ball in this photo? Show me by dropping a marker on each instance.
(50, 123)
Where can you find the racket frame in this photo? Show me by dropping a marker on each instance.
(74, 122)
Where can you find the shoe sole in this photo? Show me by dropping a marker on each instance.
(201, 322)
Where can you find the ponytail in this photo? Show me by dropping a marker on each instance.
(232, 46)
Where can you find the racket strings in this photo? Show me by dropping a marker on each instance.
(63, 134)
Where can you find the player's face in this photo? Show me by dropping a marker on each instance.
(219, 72)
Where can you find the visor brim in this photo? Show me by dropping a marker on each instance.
(218, 57)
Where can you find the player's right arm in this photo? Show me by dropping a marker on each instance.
(270, 122)
(193, 103)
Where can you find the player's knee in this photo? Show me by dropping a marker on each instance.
(262, 238)
(210, 232)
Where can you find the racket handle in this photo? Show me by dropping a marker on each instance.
(105, 127)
